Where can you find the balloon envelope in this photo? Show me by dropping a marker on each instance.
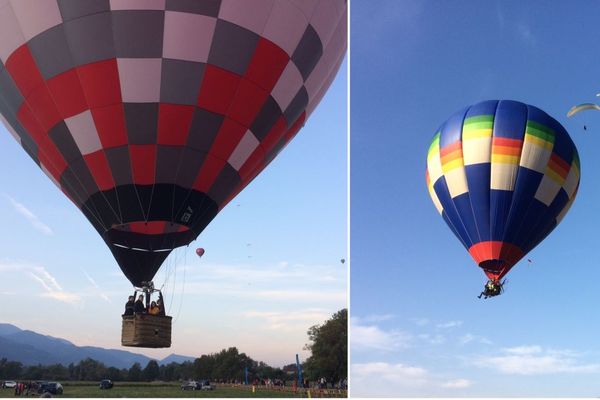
(152, 115)
(200, 251)
(502, 174)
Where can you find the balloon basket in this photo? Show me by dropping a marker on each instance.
(145, 330)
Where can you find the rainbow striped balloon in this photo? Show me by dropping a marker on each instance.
(502, 174)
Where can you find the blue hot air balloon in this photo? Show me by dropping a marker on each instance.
(502, 174)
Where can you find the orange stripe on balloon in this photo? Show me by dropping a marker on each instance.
(451, 148)
(455, 155)
(559, 166)
(506, 150)
(501, 141)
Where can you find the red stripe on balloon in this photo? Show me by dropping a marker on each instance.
(24, 71)
(174, 123)
(100, 83)
(68, 94)
(110, 125)
(218, 88)
(143, 163)
(267, 64)
(100, 170)
(247, 102)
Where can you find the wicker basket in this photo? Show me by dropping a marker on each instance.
(145, 330)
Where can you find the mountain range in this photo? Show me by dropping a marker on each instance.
(31, 348)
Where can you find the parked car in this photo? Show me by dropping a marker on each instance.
(191, 385)
(197, 385)
(50, 387)
(106, 384)
(8, 384)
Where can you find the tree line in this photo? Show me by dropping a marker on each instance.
(328, 346)
(228, 365)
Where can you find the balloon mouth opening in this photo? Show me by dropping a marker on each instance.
(493, 268)
(151, 227)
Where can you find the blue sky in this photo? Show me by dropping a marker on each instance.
(271, 268)
(418, 328)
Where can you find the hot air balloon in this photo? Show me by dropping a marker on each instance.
(502, 174)
(152, 115)
(199, 251)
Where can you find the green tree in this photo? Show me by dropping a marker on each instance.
(91, 370)
(185, 370)
(151, 372)
(168, 372)
(10, 369)
(329, 349)
(135, 373)
(115, 374)
(203, 367)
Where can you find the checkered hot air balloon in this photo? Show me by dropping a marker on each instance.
(502, 174)
(151, 115)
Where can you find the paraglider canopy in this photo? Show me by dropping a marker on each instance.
(585, 106)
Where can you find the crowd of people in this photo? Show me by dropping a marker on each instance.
(26, 388)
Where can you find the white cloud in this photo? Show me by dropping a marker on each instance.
(65, 297)
(317, 287)
(524, 350)
(95, 285)
(469, 338)
(339, 296)
(524, 32)
(289, 321)
(397, 379)
(392, 373)
(10, 266)
(449, 324)
(535, 360)
(52, 289)
(376, 318)
(500, 16)
(369, 337)
(30, 216)
(270, 273)
(457, 384)
(421, 321)
(44, 277)
(432, 339)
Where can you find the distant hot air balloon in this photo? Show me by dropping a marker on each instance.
(199, 251)
(502, 174)
(152, 115)
(343, 260)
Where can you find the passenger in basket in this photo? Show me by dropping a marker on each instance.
(139, 307)
(129, 306)
(154, 309)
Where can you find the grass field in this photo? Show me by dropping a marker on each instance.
(149, 390)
